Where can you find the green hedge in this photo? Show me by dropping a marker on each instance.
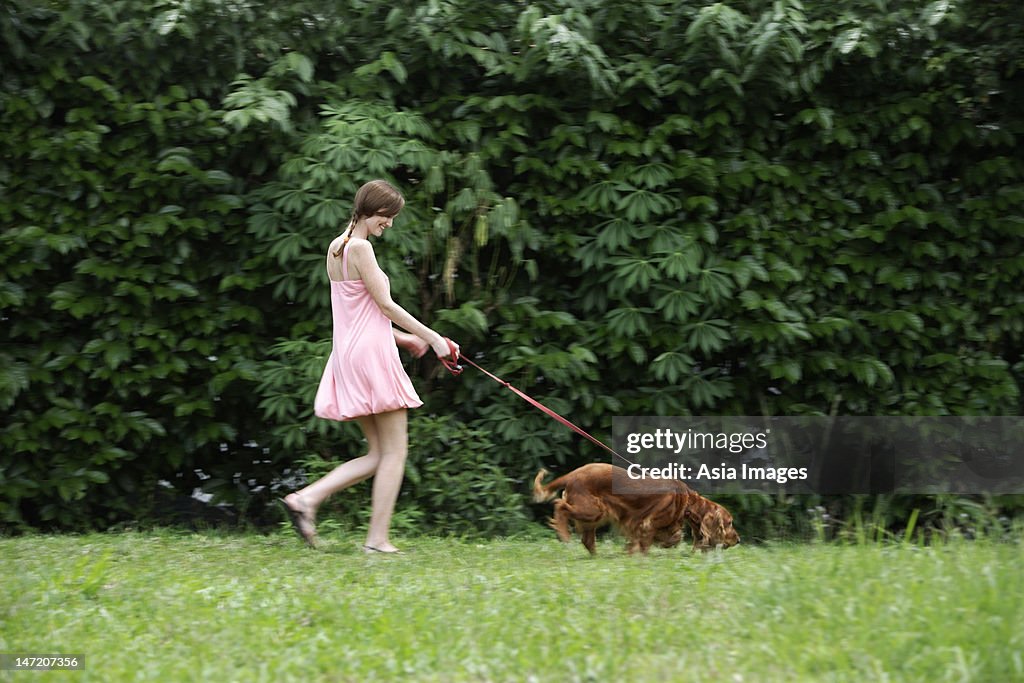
(624, 208)
(132, 322)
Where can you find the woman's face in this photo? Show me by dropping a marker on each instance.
(379, 223)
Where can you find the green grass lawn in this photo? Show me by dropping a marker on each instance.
(169, 606)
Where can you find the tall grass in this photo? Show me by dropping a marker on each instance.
(171, 606)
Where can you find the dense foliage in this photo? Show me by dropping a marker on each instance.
(663, 207)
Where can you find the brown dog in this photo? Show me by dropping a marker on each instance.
(645, 517)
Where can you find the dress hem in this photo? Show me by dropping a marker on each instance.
(349, 418)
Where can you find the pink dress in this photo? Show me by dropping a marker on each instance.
(364, 375)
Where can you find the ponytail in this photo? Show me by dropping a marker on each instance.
(347, 234)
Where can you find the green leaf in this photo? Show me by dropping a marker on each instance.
(706, 336)
(671, 366)
(390, 62)
(628, 322)
(301, 65)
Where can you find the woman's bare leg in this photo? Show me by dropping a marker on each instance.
(344, 475)
(392, 431)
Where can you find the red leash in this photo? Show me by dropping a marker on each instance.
(452, 364)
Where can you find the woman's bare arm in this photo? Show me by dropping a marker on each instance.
(362, 258)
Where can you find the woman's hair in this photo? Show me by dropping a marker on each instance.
(375, 198)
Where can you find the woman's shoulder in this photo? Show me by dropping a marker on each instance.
(357, 244)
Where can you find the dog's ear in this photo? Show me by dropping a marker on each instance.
(712, 525)
(705, 529)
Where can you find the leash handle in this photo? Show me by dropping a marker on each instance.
(451, 363)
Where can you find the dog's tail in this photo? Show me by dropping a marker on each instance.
(542, 493)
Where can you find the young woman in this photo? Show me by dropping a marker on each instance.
(364, 379)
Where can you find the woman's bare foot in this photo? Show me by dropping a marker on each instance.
(302, 518)
(385, 548)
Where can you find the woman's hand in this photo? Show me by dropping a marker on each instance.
(411, 343)
(441, 348)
